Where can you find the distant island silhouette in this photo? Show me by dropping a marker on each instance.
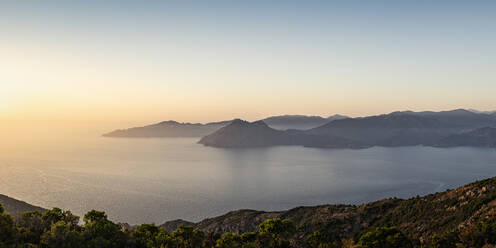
(453, 128)
(176, 129)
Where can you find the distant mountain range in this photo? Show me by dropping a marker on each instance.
(402, 128)
(176, 129)
(395, 129)
(168, 129)
(241, 133)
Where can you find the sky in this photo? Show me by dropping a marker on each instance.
(200, 61)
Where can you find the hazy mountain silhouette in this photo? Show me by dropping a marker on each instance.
(395, 129)
(482, 112)
(460, 118)
(241, 133)
(169, 129)
(300, 122)
(176, 129)
(402, 128)
(405, 128)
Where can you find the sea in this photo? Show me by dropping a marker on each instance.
(153, 180)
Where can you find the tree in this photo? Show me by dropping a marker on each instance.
(229, 240)
(249, 237)
(323, 240)
(384, 237)
(62, 235)
(55, 215)
(211, 239)
(8, 231)
(275, 232)
(447, 240)
(99, 232)
(151, 236)
(480, 233)
(30, 227)
(188, 237)
(277, 228)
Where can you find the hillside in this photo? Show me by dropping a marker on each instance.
(460, 117)
(241, 133)
(463, 217)
(16, 208)
(482, 137)
(176, 129)
(419, 218)
(168, 129)
(395, 129)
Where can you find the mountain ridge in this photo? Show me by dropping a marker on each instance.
(168, 129)
(401, 128)
(240, 134)
(173, 128)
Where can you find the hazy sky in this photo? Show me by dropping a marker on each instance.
(215, 60)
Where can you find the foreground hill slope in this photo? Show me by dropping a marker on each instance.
(16, 208)
(464, 217)
(418, 217)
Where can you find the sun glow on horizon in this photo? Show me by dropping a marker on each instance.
(118, 62)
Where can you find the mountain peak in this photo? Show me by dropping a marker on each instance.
(241, 133)
(259, 123)
(460, 112)
(238, 121)
(337, 117)
(169, 122)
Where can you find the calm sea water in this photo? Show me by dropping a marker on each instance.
(154, 180)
